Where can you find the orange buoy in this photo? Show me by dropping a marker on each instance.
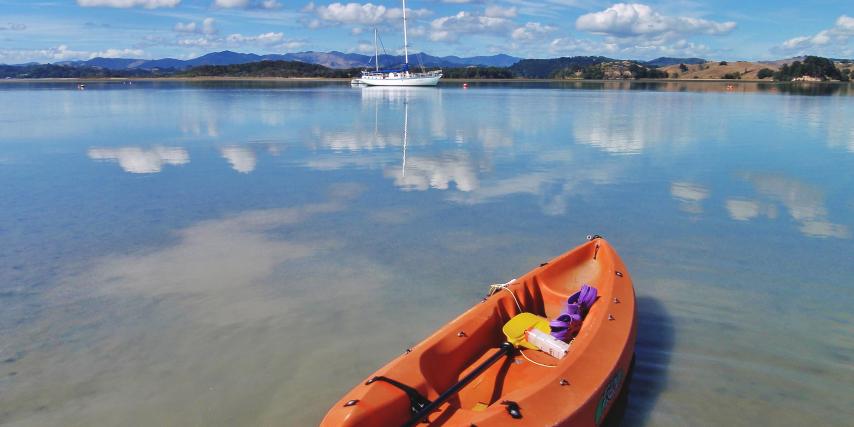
(492, 384)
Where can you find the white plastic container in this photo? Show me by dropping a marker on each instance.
(547, 343)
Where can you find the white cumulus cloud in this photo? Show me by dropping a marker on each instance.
(148, 4)
(196, 42)
(500, 12)
(359, 13)
(265, 38)
(531, 31)
(118, 53)
(12, 27)
(568, 46)
(247, 4)
(208, 26)
(450, 28)
(636, 19)
(189, 27)
(270, 40)
(494, 21)
(229, 4)
(834, 40)
(63, 53)
(636, 29)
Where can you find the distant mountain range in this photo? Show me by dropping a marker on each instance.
(334, 59)
(665, 61)
(342, 60)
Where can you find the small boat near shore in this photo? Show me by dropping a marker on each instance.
(466, 373)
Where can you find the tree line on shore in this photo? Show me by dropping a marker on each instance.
(56, 71)
(560, 68)
(268, 69)
(578, 67)
(812, 66)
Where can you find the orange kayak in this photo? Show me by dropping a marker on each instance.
(465, 366)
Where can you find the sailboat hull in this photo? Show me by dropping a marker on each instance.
(402, 81)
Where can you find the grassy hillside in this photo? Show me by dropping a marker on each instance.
(717, 70)
(820, 68)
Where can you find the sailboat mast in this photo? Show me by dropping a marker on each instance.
(405, 42)
(376, 52)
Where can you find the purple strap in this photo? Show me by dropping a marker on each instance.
(569, 322)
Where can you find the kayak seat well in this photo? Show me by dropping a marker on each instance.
(565, 276)
(482, 334)
(481, 337)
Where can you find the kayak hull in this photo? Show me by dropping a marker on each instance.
(579, 390)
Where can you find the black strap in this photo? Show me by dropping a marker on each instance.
(505, 349)
(417, 402)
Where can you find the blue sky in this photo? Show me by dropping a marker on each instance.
(50, 31)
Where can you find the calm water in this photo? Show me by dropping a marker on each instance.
(243, 254)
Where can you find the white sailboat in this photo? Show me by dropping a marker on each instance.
(401, 76)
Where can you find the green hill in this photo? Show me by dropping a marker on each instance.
(53, 71)
(549, 68)
(812, 66)
(268, 69)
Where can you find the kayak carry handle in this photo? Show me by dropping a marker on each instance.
(504, 349)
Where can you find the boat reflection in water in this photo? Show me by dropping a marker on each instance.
(420, 172)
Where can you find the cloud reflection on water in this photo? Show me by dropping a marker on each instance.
(423, 173)
(474, 168)
(621, 124)
(223, 259)
(472, 172)
(356, 140)
(690, 196)
(804, 202)
(745, 210)
(139, 160)
(242, 159)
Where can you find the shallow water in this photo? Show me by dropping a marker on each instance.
(244, 253)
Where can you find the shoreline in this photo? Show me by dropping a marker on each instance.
(347, 80)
